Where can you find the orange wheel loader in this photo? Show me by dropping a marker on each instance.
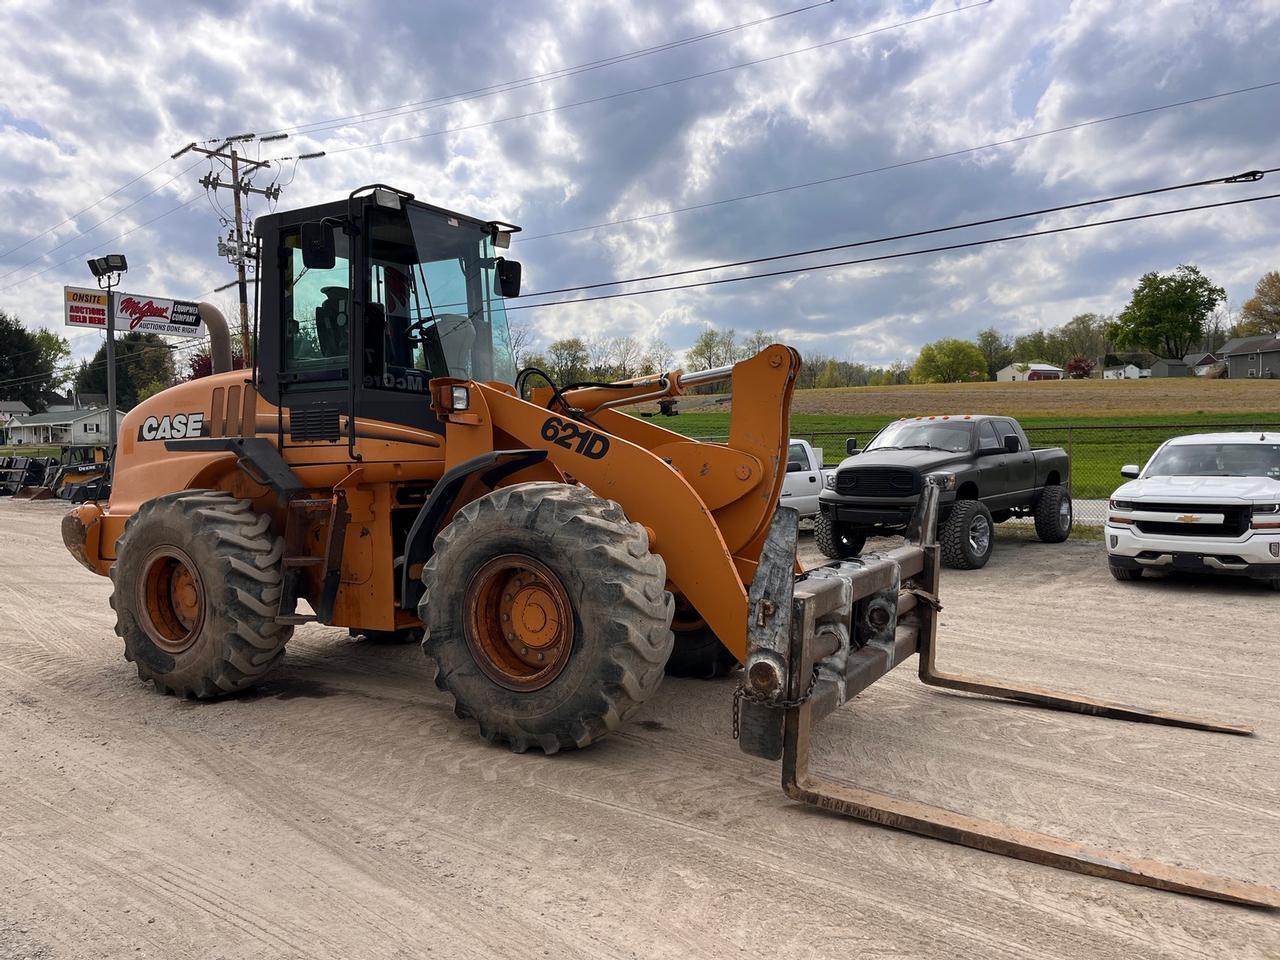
(384, 467)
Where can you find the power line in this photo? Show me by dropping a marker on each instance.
(387, 113)
(124, 186)
(100, 244)
(906, 253)
(1251, 176)
(665, 83)
(89, 230)
(897, 166)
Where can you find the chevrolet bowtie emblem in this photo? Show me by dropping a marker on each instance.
(1188, 518)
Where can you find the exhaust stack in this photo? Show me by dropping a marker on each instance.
(219, 337)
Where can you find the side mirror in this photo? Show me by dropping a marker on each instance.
(851, 446)
(793, 467)
(508, 277)
(1131, 471)
(317, 246)
(1012, 444)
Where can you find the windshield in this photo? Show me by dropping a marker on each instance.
(1216, 460)
(949, 435)
(433, 310)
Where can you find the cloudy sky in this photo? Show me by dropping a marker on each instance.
(94, 100)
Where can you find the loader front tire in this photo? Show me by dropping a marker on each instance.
(837, 540)
(196, 586)
(546, 615)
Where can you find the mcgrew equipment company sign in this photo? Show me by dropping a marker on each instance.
(134, 312)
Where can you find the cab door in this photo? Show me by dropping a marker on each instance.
(993, 463)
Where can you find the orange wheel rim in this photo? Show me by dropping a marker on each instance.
(686, 619)
(171, 601)
(519, 622)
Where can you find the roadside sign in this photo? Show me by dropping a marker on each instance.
(85, 307)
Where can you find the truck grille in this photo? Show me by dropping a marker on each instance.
(1236, 520)
(878, 482)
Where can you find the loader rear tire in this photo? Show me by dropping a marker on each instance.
(546, 614)
(697, 653)
(197, 583)
(837, 540)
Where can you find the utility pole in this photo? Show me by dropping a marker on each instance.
(237, 251)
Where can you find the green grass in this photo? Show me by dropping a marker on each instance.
(1096, 455)
(30, 451)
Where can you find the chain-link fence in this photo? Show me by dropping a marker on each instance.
(1096, 453)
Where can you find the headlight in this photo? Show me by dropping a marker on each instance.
(1121, 504)
(829, 481)
(947, 481)
(1266, 516)
(1266, 508)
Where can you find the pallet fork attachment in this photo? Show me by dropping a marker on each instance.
(816, 641)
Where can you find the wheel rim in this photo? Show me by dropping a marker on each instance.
(979, 534)
(1064, 513)
(171, 600)
(686, 618)
(519, 622)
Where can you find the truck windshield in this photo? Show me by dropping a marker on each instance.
(1216, 460)
(950, 435)
(433, 310)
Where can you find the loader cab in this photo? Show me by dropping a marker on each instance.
(364, 301)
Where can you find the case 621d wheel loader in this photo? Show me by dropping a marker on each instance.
(381, 464)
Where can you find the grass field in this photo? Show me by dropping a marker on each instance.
(1104, 424)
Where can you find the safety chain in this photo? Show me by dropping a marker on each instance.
(742, 693)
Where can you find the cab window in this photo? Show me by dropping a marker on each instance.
(796, 454)
(1005, 429)
(987, 438)
(315, 311)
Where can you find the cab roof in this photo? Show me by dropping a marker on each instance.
(1253, 436)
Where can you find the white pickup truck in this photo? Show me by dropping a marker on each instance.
(1209, 503)
(805, 478)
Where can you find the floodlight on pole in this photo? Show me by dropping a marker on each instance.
(107, 271)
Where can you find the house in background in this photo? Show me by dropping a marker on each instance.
(1128, 371)
(1203, 364)
(1250, 358)
(87, 427)
(1029, 371)
(8, 410)
(1169, 368)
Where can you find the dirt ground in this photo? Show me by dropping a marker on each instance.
(342, 811)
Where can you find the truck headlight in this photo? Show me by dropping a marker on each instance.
(946, 481)
(829, 481)
(1121, 504)
(1266, 516)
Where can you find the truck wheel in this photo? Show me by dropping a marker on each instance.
(546, 614)
(1053, 515)
(1124, 574)
(196, 588)
(697, 652)
(837, 540)
(968, 536)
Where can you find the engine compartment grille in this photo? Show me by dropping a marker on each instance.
(878, 482)
(1235, 520)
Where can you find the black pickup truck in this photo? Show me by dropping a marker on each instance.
(988, 473)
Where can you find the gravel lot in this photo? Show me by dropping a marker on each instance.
(342, 811)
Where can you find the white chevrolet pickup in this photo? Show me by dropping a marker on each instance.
(1209, 502)
(805, 478)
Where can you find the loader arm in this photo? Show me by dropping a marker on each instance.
(706, 506)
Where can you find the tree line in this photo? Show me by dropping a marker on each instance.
(1168, 315)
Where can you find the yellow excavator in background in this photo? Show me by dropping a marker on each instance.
(384, 467)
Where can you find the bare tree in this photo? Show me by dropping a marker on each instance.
(626, 356)
(657, 358)
(757, 341)
(520, 335)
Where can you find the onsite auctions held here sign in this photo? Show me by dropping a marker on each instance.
(134, 312)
